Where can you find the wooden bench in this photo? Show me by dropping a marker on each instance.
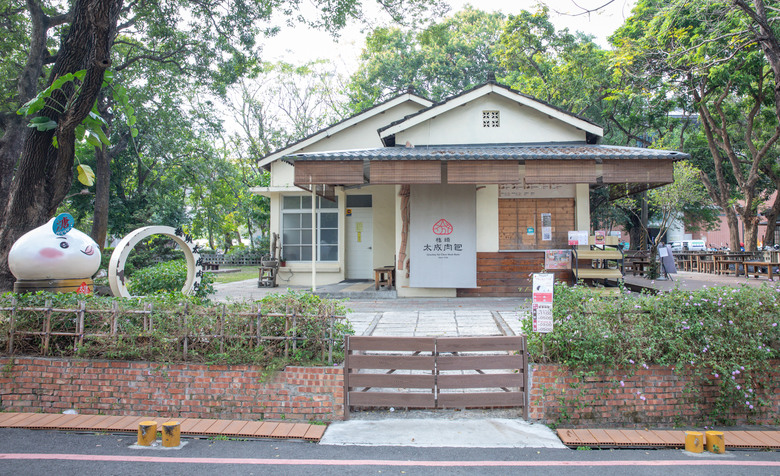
(723, 266)
(758, 269)
(210, 267)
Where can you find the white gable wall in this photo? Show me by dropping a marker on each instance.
(463, 125)
(362, 135)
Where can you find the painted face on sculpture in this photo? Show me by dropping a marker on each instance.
(40, 254)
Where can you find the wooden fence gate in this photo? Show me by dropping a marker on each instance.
(435, 372)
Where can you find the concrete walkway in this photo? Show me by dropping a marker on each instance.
(440, 432)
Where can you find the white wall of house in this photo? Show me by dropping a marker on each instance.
(463, 125)
(362, 135)
(487, 218)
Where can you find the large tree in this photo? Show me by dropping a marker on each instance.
(43, 168)
(442, 59)
(719, 56)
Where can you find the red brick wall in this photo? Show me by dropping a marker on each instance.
(241, 392)
(238, 392)
(655, 395)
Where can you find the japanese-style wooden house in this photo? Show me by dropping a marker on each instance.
(462, 197)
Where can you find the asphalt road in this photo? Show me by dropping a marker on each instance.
(30, 452)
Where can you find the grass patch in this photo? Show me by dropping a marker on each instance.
(244, 273)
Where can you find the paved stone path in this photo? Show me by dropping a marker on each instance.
(439, 323)
(434, 317)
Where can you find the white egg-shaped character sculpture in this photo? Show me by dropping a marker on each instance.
(43, 254)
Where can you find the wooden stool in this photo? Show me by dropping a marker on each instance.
(384, 277)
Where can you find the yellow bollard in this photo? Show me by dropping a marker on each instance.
(694, 441)
(147, 433)
(171, 434)
(715, 442)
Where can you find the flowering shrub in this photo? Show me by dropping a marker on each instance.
(720, 336)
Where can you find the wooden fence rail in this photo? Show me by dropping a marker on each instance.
(75, 318)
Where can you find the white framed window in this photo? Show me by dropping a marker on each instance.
(491, 119)
(297, 230)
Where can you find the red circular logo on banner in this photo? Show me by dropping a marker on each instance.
(442, 227)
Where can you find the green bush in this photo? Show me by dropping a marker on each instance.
(723, 336)
(166, 278)
(156, 249)
(171, 323)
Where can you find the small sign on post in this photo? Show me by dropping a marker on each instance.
(542, 302)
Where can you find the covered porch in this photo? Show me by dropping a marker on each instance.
(467, 220)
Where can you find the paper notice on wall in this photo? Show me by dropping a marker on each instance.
(546, 227)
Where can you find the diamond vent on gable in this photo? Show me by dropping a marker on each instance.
(490, 119)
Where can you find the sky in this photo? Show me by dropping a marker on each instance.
(301, 44)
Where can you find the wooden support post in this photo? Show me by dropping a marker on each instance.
(12, 326)
(286, 329)
(257, 330)
(221, 325)
(295, 331)
(186, 342)
(47, 327)
(79, 341)
(114, 318)
(330, 342)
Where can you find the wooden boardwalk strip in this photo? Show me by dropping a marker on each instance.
(189, 426)
(672, 438)
(250, 429)
(621, 439)
(202, 425)
(626, 438)
(217, 428)
(86, 422)
(266, 429)
(772, 437)
(27, 421)
(186, 425)
(47, 420)
(732, 439)
(234, 428)
(653, 439)
(586, 438)
(54, 422)
(6, 418)
(602, 437)
(109, 420)
(121, 425)
(315, 432)
(282, 430)
(746, 436)
(298, 431)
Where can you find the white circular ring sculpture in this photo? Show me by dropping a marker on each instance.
(116, 266)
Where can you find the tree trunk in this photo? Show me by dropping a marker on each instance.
(13, 138)
(771, 221)
(102, 188)
(45, 173)
(751, 232)
(733, 223)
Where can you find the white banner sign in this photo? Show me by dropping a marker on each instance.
(443, 236)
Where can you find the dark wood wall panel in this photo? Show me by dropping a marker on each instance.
(508, 274)
(516, 215)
